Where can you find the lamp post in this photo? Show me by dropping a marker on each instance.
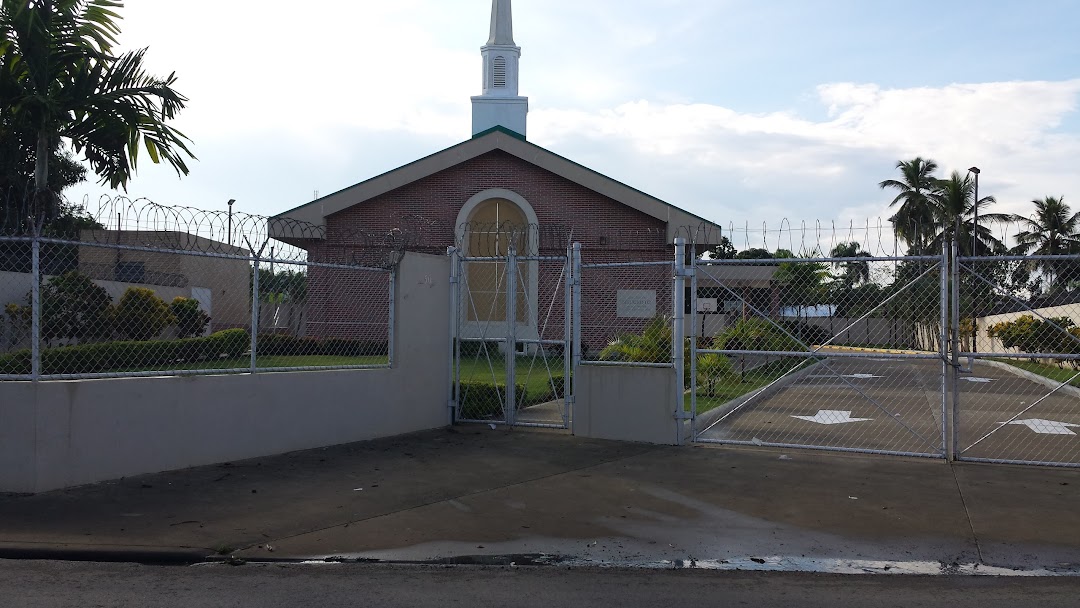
(975, 228)
(229, 229)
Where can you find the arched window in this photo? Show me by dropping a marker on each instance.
(492, 228)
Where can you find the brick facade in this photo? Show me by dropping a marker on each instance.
(424, 214)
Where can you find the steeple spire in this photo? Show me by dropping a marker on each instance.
(500, 105)
(502, 24)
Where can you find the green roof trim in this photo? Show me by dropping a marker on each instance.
(501, 129)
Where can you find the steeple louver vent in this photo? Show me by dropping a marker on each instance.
(499, 72)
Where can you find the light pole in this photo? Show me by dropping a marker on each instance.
(975, 228)
(229, 229)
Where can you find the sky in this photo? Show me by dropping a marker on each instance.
(749, 113)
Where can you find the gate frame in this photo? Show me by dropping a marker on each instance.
(958, 451)
(942, 451)
(510, 340)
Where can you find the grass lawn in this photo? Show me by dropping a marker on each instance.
(267, 362)
(537, 381)
(1052, 372)
(725, 391)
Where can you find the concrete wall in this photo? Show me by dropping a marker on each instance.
(986, 344)
(59, 434)
(625, 403)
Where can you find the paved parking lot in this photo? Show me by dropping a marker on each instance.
(895, 405)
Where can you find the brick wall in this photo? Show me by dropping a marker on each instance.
(424, 214)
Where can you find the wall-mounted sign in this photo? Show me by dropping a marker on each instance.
(636, 303)
(707, 304)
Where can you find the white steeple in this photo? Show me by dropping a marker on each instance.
(500, 105)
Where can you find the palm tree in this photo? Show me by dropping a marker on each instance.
(953, 207)
(854, 272)
(1054, 230)
(60, 78)
(914, 219)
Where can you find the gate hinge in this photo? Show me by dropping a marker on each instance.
(451, 404)
(687, 271)
(453, 280)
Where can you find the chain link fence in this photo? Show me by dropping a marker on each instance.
(1018, 359)
(154, 291)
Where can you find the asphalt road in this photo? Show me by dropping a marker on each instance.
(895, 405)
(85, 585)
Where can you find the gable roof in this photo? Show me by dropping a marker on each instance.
(679, 222)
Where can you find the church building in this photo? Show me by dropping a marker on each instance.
(492, 191)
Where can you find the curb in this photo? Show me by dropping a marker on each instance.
(136, 555)
(1067, 389)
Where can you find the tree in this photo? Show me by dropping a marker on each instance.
(61, 79)
(723, 250)
(1054, 230)
(73, 307)
(914, 217)
(754, 253)
(855, 272)
(191, 320)
(953, 206)
(141, 314)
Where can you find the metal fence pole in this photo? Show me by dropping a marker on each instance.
(954, 328)
(254, 313)
(943, 351)
(694, 338)
(451, 386)
(576, 307)
(392, 318)
(568, 304)
(511, 331)
(35, 307)
(678, 338)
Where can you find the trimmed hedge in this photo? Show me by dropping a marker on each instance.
(285, 345)
(114, 356)
(480, 400)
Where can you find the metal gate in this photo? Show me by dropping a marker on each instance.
(1015, 398)
(510, 328)
(771, 366)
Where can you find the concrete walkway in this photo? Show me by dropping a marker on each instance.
(472, 491)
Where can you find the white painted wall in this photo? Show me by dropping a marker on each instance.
(625, 403)
(61, 434)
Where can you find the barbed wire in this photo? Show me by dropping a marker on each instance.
(112, 220)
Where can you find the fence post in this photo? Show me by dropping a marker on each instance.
(678, 337)
(576, 308)
(950, 449)
(392, 317)
(35, 307)
(954, 327)
(511, 337)
(568, 336)
(452, 384)
(694, 338)
(254, 312)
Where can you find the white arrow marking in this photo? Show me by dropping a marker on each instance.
(1046, 427)
(863, 376)
(979, 380)
(832, 417)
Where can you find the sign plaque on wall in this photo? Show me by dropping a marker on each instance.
(636, 303)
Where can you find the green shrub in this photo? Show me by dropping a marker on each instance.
(284, 345)
(191, 320)
(713, 369)
(229, 343)
(74, 307)
(141, 315)
(483, 401)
